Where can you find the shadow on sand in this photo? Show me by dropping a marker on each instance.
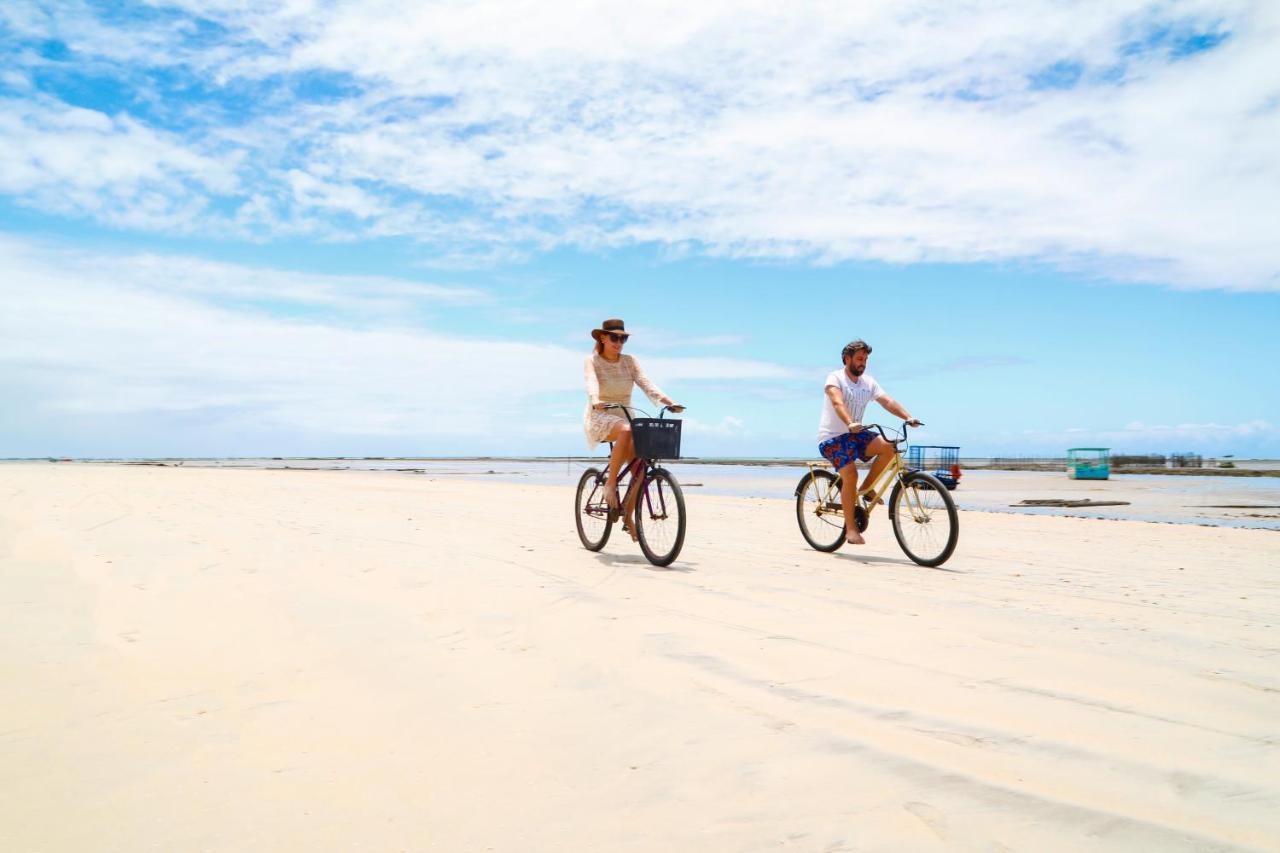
(899, 561)
(615, 561)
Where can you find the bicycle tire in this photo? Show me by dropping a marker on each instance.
(590, 512)
(823, 532)
(919, 507)
(661, 537)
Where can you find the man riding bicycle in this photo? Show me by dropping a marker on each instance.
(842, 439)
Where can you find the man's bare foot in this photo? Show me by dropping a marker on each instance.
(855, 538)
(630, 531)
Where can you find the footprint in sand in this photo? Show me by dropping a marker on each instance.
(930, 817)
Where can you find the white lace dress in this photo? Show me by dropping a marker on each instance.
(611, 382)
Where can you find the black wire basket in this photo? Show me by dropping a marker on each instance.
(656, 438)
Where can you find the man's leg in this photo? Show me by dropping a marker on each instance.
(880, 452)
(848, 500)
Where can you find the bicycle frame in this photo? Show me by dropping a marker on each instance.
(893, 472)
(637, 471)
(652, 505)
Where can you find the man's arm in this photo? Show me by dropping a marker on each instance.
(837, 402)
(893, 407)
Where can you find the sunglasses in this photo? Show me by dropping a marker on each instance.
(617, 339)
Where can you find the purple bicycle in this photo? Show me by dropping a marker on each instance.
(658, 515)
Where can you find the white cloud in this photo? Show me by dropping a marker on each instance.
(890, 131)
(1246, 430)
(197, 278)
(72, 160)
(90, 336)
(1136, 436)
(727, 426)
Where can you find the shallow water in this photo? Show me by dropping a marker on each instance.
(1213, 500)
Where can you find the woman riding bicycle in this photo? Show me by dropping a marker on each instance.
(610, 376)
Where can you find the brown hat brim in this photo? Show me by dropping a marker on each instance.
(596, 333)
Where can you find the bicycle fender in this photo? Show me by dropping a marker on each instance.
(804, 481)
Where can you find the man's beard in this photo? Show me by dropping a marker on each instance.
(856, 371)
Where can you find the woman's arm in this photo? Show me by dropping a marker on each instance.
(593, 382)
(653, 392)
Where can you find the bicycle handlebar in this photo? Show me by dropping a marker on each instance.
(892, 441)
(626, 410)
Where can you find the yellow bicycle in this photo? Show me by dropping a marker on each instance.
(923, 514)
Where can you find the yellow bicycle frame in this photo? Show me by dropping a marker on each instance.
(895, 470)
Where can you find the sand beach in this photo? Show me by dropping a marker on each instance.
(238, 659)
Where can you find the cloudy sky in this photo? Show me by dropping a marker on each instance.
(386, 228)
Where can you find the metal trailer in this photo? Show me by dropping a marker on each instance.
(938, 460)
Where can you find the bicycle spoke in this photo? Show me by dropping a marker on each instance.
(925, 520)
(659, 535)
(819, 512)
(591, 513)
(660, 518)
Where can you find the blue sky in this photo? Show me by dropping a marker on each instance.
(387, 228)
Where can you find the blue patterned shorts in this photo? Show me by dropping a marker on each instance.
(843, 449)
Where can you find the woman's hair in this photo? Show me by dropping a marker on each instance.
(600, 346)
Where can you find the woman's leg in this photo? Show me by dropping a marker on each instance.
(623, 450)
(633, 495)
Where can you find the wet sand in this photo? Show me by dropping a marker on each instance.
(271, 660)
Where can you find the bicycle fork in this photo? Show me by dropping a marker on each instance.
(638, 480)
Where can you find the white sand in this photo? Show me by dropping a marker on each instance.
(266, 660)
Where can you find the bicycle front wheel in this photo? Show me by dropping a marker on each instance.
(659, 517)
(925, 520)
(590, 512)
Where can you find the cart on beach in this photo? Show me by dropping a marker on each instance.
(1089, 463)
(940, 461)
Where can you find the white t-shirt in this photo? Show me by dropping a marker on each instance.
(856, 396)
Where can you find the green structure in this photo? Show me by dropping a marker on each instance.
(1089, 463)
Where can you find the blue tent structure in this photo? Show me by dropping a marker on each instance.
(1089, 463)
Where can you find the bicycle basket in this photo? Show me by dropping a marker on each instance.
(656, 438)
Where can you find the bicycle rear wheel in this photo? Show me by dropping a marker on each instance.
(925, 520)
(659, 517)
(590, 512)
(818, 510)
